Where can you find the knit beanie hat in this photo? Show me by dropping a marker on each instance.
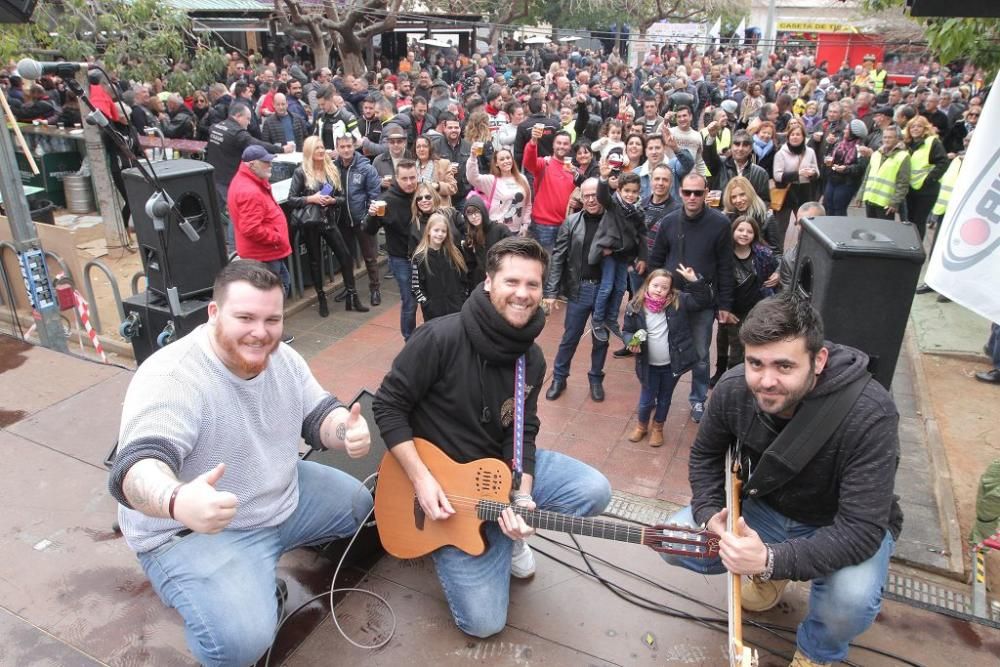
(858, 128)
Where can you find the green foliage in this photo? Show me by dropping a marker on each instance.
(138, 39)
(977, 40)
(18, 40)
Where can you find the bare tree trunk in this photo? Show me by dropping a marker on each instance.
(351, 57)
(321, 53)
(494, 38)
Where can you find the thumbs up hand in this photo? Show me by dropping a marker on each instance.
(354, 433)
(202, 508)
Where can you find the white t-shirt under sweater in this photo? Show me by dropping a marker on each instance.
(691, 140)
(657, 338)
(185, 398)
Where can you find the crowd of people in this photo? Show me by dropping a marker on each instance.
(508, 186)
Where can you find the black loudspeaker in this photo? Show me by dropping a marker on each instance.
(860, 274)
(175, 260)
(150, 325)
(16, 11)
(367, 548)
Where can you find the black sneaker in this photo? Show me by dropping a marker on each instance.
(622, 353)
(599, 331)
(613, 327)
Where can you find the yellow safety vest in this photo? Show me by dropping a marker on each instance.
(877, 77)
(920, 164)
(880, 186)
(722, 142)
(947, 185)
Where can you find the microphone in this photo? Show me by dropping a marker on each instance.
(34, 70)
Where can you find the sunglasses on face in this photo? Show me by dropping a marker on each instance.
(425, 198)
(692, 193)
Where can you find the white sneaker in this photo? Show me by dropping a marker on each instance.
(522, 561)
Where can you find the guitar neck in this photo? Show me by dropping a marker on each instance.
(489, 510)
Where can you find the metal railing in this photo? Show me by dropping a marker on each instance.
(88, 288)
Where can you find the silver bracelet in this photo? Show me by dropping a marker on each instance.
(517, 496)
(769, 568)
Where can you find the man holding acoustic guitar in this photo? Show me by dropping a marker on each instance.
(469, 384)
(818, 446)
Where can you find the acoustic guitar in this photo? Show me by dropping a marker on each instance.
(478, 491)
(740, 655)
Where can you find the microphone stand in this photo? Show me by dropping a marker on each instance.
(160, 205)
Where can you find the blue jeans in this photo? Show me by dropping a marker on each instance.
(281, 270)
(223, 585)
(994, 344)
(478, 587)
(701, 330)
(609, 295)
(656, 392)
(837, 197)
(577, 312)
(842, 605)
(544, 234)
(400, 268)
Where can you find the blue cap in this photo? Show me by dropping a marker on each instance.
(257, 152)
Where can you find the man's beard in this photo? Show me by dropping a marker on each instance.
(231, 349)
(791, 397)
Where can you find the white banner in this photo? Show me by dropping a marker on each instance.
(965, 265)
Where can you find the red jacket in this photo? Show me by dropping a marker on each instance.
(553, 186)
(260, 224)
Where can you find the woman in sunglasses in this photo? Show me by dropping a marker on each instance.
(427, 202)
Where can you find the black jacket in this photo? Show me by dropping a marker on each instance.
(459, 154)
(274, 132)
(300, 189)
(438, 285)
(568, 258)
(621, 230)
(683, 355)
(181, 125)
(724, 169)
(396, 222)
(846, 490)
(704, 243)
(523, 136)
(475, 256)
(217, 113)
(226, 141)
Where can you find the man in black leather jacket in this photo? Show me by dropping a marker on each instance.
(571, 275)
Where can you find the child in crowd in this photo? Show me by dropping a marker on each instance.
(620, 240)
(658, 333)
(610, 137)
(753, 263)
(438, 270)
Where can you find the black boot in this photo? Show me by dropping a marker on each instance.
(324, 310)
(376, 297)
(341, 295)
(354, 303)
(720, 368)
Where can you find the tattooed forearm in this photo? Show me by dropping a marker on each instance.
(341, 431)
(148, 485)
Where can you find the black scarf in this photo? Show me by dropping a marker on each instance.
(493, 337)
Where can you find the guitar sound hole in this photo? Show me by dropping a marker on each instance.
(487, 481)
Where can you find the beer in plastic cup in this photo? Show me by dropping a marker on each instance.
(568, 163)
(540, 127)
(828, 160)
(380, 205)
(477, 148)
(454, 167)
(714, 198)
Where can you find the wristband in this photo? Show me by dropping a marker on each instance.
(517, 496)
(173, 499)
(769, 568)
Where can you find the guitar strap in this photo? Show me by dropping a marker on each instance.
(517, 464)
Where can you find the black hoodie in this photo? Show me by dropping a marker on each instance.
(475, 255)
(846, 490)
(453, 384)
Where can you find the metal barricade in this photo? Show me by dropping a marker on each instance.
(88, 288)
(136, 277)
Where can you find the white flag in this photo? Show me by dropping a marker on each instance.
(965, 265)
(741, 31)
(714, 32)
